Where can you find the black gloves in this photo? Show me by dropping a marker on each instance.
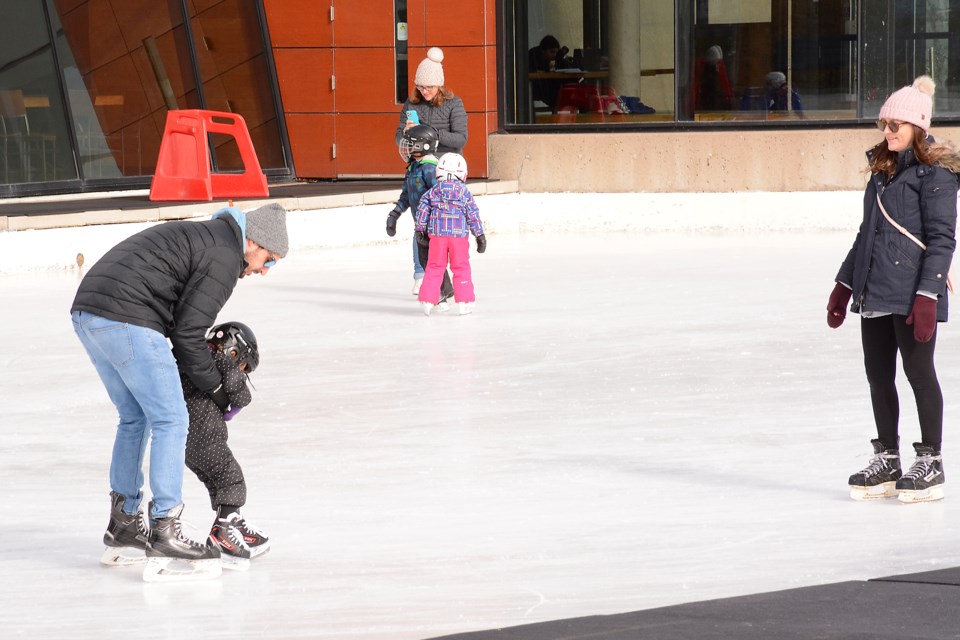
(392, 222)
(423, 239)
(481, 243)
(220, 397)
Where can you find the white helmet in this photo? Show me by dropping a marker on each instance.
(452, 165)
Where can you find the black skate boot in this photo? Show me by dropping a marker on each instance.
(258, 543)
(126, 535)
(879, 478)
(171, 557)
(234, 552)
(924, 481)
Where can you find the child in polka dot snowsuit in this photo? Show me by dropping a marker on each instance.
(209, 456)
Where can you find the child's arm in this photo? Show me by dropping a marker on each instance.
(472, 212)
(234, 381)
(402, 204)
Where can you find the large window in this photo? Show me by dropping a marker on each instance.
(85, 86)
(643, 62)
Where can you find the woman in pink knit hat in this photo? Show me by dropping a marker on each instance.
(896, 274)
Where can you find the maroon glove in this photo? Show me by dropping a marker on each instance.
(837, 305)
(923, 317)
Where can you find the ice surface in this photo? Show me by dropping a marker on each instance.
(628, 420)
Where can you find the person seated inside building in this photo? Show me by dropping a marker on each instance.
(545, 57)
(711, 85)
(776, 93)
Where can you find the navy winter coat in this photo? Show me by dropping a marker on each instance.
(884, 267)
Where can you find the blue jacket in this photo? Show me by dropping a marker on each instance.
(885, 268)
(420, 176)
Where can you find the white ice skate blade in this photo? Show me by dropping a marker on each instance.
(924, 495)
(122, 557)
(177, 570)
(880, 491)
(256, 552)
(234, 564)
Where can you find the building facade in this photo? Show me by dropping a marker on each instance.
(560, 94)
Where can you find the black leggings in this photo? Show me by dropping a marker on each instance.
(882, 338)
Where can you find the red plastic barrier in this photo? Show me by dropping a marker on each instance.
(183, 166)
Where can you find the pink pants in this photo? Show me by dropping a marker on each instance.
(458, 250)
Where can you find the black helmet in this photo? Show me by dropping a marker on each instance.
(420, 138)
(238, 340)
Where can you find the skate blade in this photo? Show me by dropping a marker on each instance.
(234, 564)
(122, 557)
(256, 552)
(924, 495)
(177, 570)
(880, 491)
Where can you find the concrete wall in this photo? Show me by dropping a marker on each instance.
(688, 161)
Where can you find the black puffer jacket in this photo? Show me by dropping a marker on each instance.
(174, 278)
(884, 267)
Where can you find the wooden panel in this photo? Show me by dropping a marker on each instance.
(463, 73)
(491, 56)
(65, 6)
(304, 77)
(490, 11)
(299, 23)
(311, 139)
(225, 36)
(118, 78)
(365, 80)
(476, 150)
(365, 145)
(244, 86)
(93, 35)
(140, 19)
(364, 24)
(465, 26)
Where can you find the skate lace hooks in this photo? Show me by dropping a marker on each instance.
(921, 467)
(877, 464)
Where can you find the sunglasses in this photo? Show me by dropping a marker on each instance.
(421, 88)
(894, 126)
(271, 262)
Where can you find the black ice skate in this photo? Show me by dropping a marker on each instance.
(256, 541)
(126, 536)
(234, 552)
(171, 557)
(879, 478)
(924, 481)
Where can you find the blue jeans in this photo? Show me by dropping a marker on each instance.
(140, 374)
(417, 267)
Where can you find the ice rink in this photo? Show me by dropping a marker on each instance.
(628, 420)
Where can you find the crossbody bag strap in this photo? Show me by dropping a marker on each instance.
(898, 226)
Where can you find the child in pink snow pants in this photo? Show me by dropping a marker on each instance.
(446, 216)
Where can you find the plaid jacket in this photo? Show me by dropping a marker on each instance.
(448, 209)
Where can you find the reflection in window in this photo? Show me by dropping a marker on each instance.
(593, 61)
(772, 60)
(234, 73)
(34, 142)
(641, 61)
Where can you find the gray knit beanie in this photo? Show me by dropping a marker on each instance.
(267, 226)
